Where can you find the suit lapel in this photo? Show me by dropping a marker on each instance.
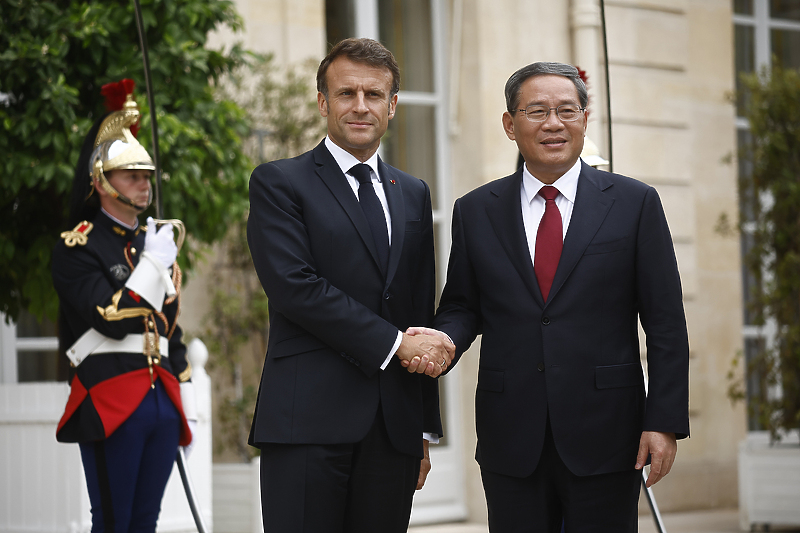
(328, 170)
(505, 215)
(397, 211)
(591, 207)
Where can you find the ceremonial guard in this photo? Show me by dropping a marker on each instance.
(131, 403)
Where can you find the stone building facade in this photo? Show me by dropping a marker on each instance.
(672, 70)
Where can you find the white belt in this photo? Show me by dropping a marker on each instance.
(93, 342)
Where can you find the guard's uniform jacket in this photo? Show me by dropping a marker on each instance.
(90, 267)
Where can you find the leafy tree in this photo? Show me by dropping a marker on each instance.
(282, 106)
(770, 194)
(54, 57)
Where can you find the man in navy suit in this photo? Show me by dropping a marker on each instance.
(343, 246)
(555, 265)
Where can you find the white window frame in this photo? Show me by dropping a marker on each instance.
(762, 26)
(11, 346)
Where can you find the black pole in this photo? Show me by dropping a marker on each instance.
(180, 457)
(183, 469)
(608, 86)
(151, 103)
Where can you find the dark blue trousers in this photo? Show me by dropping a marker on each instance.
(126, 474)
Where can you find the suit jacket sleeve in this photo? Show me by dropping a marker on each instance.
(426, 283)
(661, 313)
(459, 312)
(279, 242)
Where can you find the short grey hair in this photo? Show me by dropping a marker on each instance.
(514, 83)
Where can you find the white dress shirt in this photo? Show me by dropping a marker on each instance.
(533, 203)
(346, 161)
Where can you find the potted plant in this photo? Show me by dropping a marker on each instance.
(769, 460)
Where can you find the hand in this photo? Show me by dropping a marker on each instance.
(424, 466)
(193, 430)
(426, 354)
(418, 330)
(449, 346)
(662, 448)
(161, 243)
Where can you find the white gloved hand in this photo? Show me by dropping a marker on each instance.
(193, 429)
(161, 243)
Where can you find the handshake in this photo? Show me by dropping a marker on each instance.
(426, 351)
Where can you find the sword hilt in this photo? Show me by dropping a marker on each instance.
(176, 224)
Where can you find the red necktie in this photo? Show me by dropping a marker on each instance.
(549, 241)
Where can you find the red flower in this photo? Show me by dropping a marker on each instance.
(583, 76)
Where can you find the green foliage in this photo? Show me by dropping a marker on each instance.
(54, 57)
(283, 110)
(772, 194)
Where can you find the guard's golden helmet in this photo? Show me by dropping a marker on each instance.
(116, 148)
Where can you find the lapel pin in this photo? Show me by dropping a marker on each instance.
(392, 182)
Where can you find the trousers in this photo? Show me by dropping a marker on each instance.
(126, 474)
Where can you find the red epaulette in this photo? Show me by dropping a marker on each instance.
(79, 235)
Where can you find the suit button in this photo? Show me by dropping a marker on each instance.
(546, 320)
(541, 367)
(387, 295)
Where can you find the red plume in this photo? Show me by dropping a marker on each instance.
(116, 94)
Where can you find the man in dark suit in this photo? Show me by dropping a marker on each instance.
(553, 265)
(343, 246)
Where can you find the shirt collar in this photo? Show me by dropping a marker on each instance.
(567, 184)
(346, 160)
(118, 221)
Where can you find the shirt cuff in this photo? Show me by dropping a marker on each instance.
(430, 437)
(147, 280)
(393, 350)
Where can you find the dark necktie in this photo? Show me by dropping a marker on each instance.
(549, 241)
(373, 211)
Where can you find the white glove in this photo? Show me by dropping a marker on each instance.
(161, 243)
(193, 430)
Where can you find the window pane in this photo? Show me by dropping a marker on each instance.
(339, 21)
(785, 9)
(29, 326)
(745, 164)
(745, 61)
(36, 364)
(747, 213)
(743, 7)
(756, 388)
(405, 29)
(750, 285)
(410, 143)
(39, 365)
(786, 47)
